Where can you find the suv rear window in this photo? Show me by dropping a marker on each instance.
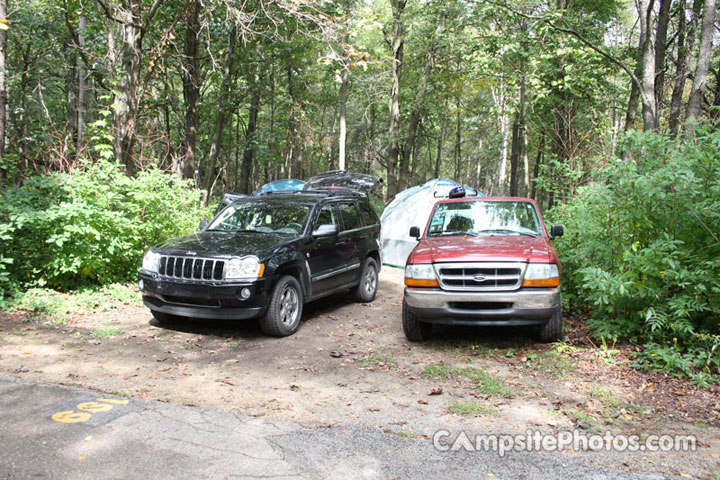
(367, 214)
(350, 215)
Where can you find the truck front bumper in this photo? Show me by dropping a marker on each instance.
(526, 306)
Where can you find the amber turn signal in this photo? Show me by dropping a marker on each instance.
(542, 282)
(421, 282)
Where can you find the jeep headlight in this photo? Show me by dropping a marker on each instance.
(420, 275)
(245, 267)
(542, 275)
(151, 261)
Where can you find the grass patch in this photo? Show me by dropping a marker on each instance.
(462, 346)
(471, 409)
(552, 362)
(485, 382)
(104, 332)
(378, 361)
(605, 396)
(57, 307)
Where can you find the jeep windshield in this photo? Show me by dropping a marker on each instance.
(480, 217)
(262, 217)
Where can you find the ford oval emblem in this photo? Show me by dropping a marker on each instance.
(479, 277)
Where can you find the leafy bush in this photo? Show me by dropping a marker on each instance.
(90, 226)
(642, 250)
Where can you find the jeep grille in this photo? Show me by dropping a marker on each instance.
(480, 276)
(191, 268)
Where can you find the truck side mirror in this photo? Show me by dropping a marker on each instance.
(326, 230)
(556, 231)
(204, 224)
(415, 232)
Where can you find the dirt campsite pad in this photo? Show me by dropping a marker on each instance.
(350, 365)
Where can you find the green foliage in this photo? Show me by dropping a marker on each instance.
(642, 251)
(44, 303)
(90, 226)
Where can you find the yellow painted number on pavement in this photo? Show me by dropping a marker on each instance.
(94, 407)
(71, 417)
(86, 410)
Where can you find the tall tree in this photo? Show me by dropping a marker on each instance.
(702, 64)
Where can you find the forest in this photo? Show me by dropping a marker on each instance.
(122, 120)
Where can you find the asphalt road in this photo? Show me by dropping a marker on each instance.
(57, 432)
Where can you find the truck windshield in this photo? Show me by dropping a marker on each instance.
(480, 217)
(264, 217)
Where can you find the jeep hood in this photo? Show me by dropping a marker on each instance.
(224, 244)
(484, 248)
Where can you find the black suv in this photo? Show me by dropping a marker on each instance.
(265, 256)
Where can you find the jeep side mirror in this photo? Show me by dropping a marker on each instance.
(204, 224)
(325, 231)
(556, 231)
(415, 232)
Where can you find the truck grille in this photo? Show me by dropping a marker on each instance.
(191, 268)
(480, 276)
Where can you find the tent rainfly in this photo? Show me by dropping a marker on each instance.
(410, 208)
(289, 185)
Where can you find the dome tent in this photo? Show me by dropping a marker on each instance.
(409, 208)
(288, 185)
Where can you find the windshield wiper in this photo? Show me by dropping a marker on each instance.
(506, 231)
(458, 232)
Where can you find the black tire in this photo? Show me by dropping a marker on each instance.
(165, 318)
(552, 331)
(285, 309)
(415, 330)
(367, 288)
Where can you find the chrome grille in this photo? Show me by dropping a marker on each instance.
(191, 268)
(480, 276)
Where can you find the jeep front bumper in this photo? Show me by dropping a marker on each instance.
(526, 306)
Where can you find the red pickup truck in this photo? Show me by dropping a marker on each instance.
(483, 261)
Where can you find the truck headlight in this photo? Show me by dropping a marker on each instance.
(245, 267)
(151, 261)
(420, 275)
(542, 275)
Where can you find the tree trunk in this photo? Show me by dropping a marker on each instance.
(81, 73)
(127, 96)
(223, 107)
(3, 85)
(681, 70)
(250, 140)
(647, 60)
(192, 81)
(703, 63)
(441, 144)
(660, 55)
(515, 156)
(291, 156)
(418, 108)
(343, 120)
(458, 143)
(397, 42)
(499, 100)
(536, 167)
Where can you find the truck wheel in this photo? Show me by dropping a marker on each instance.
(552, 331)
(367, 288)
(165, 318)
(415, 330)
(285, 309)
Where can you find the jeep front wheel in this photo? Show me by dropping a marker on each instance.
(285, 309)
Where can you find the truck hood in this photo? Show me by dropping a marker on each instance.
(224, 244)
(484, 248)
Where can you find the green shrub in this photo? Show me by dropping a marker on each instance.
(642, 250)
(90, 226)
